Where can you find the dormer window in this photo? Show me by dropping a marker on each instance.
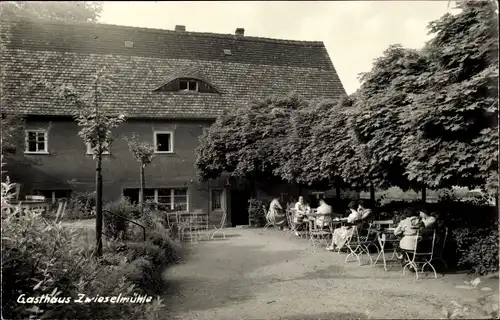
(188, 85)
(187, 80)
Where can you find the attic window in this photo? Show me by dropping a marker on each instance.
(188, 85)
(227, 52)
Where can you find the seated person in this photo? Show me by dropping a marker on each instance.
(301, 209)
(407, 229)
(275, 214)
(426, 231)
(340, 235)
(323, 221)
(364, 210)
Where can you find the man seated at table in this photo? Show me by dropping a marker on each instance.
(323, 221)
(301, 209)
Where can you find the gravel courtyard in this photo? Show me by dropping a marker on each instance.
(257, 274)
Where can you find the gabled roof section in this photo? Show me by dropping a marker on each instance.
(37, 55)
(189, 72)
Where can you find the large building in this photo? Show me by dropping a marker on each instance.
(169, 84)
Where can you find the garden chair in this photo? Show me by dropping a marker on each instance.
(199, 225)
(184, 224)
(318, 234)
(439, 248)
(269, 221)
(357, 246)
(291, 226)
(221, 226)
(416, 258)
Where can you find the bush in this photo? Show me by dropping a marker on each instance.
(478, 250)
(256, 213)
(40, 257)
(115, 215)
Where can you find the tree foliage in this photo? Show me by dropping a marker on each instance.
(453, 127)
(95, 125)
(422, 118)
(75, 11)
(143, 151)
(382, 106)
(247, 141)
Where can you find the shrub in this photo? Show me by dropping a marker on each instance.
(256, 213)
(39, 257)
(115, 217)
(478, 250)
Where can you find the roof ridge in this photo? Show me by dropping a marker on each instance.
(166, 31)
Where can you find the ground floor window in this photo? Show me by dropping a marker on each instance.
(174, 199)
(53, 195)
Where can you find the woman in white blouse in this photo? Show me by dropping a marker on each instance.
(340, 235)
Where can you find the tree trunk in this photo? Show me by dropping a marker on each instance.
(372, 194)
(424, 194)
(98, 206)
(141, 192)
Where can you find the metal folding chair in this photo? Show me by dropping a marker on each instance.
(416, 258)
(357, 246)
(220, 228)
(318, 233)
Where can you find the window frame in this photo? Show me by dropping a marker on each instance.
(172, 195)
(88, 150)
(197, 89)
(155, 141)
(46, 141)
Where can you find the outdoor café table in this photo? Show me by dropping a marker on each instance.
(385, 236)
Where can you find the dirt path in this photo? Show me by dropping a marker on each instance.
(256, 274)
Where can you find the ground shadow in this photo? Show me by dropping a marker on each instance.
(223, 278)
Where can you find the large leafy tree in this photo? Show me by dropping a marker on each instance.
(453, 126)
(77, 11)
(380, 115)
(248, 141)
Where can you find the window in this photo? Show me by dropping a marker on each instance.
(89, 149)
(164, 142)
(188, 85)
(36, 141)
(170, 199)
(53, 195)
(217, 199)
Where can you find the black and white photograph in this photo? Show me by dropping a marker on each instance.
(249, 160)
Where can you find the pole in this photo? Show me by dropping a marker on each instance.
(98, 204)
(143, 186)
(98, 187)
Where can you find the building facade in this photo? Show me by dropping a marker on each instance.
(169, 84)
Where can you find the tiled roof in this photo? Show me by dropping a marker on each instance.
(38, 56)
